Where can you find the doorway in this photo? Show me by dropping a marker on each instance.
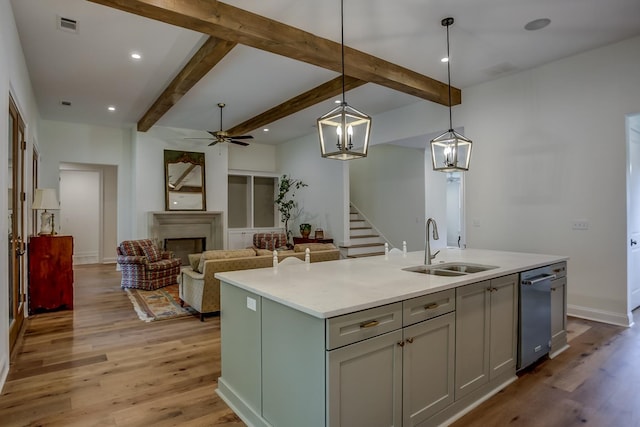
(633, 211)
(16, 262)
(88, 211)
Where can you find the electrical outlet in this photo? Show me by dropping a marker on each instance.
(580, 224)
(251, 303)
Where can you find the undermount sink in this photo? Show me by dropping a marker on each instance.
(450, 269)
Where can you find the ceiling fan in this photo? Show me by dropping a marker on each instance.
(223, 136)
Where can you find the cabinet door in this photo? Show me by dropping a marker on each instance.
(558, 315)
(503, 325)
(239, 239)
(428, 359)
(472, 337)
(365, 383)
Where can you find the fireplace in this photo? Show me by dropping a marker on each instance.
(183, 246)
(188, 231)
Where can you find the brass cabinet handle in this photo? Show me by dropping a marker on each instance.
(369, 324)
(431, 306)
(401, 343)
(553, 289)
(410, 340)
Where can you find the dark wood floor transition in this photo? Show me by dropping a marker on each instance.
(100, 366)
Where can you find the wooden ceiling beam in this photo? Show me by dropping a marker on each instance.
(211, 52)
(240, 26)
(298, 103)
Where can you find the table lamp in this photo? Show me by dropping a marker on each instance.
(46, 199)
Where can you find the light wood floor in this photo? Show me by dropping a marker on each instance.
(100, 366)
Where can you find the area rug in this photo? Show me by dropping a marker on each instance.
(161, 304)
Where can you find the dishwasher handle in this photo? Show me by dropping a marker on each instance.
(539, 279)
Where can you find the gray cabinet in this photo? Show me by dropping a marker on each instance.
(427, 361)
(397, 378)
(558, 309)
(486, 322)
(364, 383)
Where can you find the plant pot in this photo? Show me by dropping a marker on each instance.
(305, 230)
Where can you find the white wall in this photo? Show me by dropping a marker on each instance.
(14, 80)
(391, 178)
(63, 142)
(255, 157)
(549, 148)
(323, 201)
(149, 174)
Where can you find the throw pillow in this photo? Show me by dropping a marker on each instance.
(151, 251)
(194, 260)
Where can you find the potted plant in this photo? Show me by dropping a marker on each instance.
(285, 200)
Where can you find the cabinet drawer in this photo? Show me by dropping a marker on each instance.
(354, 327)
(559, 269)
(428, 306)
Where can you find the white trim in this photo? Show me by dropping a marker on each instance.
(610, 317)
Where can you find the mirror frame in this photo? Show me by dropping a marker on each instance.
(194, 158)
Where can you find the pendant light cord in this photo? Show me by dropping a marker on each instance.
(449, 75)
(342, 45)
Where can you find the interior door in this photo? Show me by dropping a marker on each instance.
(16, 150)
(633, 211)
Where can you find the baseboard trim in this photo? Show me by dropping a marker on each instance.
(4, 372)
(610, 317)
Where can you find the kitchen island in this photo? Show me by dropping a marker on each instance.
(362, 342)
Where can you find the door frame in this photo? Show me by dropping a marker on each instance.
(17, 266)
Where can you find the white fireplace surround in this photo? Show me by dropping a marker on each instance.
(187, 224)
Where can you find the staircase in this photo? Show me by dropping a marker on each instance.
(364, 239)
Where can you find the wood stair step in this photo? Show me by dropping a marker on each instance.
(364, 245)
(365, 255)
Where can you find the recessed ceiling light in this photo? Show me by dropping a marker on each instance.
(136, 55)
(537, 24)
(265, 130)
(111, 108)
(445, 59)
(338, 101)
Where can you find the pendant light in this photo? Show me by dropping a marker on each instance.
(344, 127)
(450, 151)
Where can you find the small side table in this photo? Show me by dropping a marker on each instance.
(50, 273)
(297, 240)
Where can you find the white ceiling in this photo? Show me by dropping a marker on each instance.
(93, 69)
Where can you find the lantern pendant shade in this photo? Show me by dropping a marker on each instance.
(451, 152)
(344, 133)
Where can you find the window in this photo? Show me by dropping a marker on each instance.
(250, 201)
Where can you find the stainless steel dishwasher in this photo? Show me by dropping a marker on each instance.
(534, 326)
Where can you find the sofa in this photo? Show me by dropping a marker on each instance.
(144, 266)
(201, 290)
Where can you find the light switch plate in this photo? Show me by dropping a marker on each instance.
(251, 303)
(580, 224)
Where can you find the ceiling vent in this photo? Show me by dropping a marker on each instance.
(65, 103)
(67, 24)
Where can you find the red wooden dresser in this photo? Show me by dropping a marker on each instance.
(50, 273)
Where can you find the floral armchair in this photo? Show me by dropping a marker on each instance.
(144, 266)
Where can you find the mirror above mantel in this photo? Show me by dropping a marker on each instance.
(184, 181)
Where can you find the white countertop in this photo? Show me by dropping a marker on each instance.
(332, 288)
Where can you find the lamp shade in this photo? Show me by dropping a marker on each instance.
(451, 152)
(346, 129)
(45, 198)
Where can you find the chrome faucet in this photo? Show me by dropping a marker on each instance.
(427, 250)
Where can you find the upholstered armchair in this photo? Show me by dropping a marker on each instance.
(144, 266)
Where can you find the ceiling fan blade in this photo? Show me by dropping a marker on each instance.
(241, 137)
(213, 132)
(214, 143)
(209, 139)
(244, 144)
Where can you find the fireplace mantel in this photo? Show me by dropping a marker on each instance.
(188, 224)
